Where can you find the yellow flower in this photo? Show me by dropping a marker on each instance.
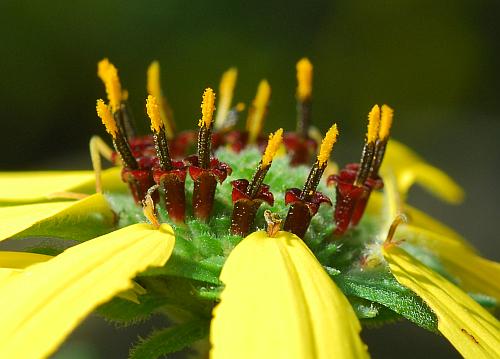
(268, 295)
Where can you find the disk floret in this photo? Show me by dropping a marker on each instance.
(299, 144)
(355, 182)
(247, 196)
(304, 204)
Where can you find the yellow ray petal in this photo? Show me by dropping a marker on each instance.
(15, 219)
(44, 303)
(476, 274)
(11, 262)
(278, 302)
(30, 187)
(409, 168)
(21, 260)
(7, 274)
(473, 331)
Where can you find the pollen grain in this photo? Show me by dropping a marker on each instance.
(153, 111)
(385, 122)
(207, 108)
(304, 79)
(153, 79)
(108, 73)
(327, 145)
(373, 124)
(275, 140)
(106, 117)
(257, 113)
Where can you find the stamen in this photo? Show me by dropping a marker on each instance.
(205, 124)
(257, 113)
(373, 124)
(119, 140)
(275, 140)
(304, 79)
(153, 79)
(383, 138)
(304, 96)
(154, 114)
(158, 128)
(369, 147)
(108, 73)
(226, 89)
(327, 145)
(385, 122)
(106, 117)
(154, 89)
(320, 165)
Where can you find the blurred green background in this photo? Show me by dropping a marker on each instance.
(435, 62)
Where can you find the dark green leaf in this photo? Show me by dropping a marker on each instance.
(381, 287)
(123, 312)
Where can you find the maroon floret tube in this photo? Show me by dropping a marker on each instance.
(141, 179)
(246, 206)
(301, 210)
(351, 199)
(205, 183)
(172, 183)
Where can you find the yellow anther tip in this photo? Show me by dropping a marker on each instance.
(207, 108)
(263, 94)
(102, 67)
(153, 111)
(108, 73)
(327, 145)
(304, 79)
(153, 79)
(373, 124)
(275, 140)
(228, 81)
(257, 112)
(106, 117)
(385, 122)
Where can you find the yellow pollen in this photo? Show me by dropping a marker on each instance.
(240, 106)
(373, 124)
(385, 122)
(304, 79)
(153, 111)
(107, 118)
(102, 68)
(273, 144)
(153, 82)
(125, 95)
(207, 108)
(108, 73)
(256, 115)
(327, 145)
(226, 89)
